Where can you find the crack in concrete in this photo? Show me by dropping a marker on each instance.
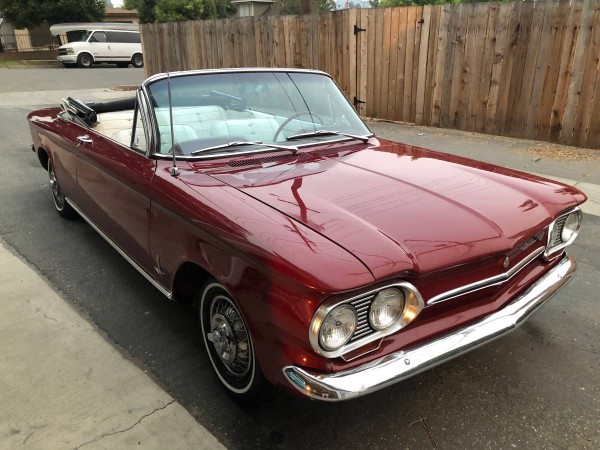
(426, 428)
(102, 436)
(423, 424)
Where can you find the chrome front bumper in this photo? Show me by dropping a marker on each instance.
(404, 364)
(67, 58)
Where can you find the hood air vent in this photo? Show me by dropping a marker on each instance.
(298, 157)
(270, 159)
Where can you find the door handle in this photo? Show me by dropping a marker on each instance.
(85, 139)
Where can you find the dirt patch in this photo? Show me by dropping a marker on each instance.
(124, 88)
(563, 153)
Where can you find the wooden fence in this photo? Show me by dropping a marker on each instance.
(519, 69)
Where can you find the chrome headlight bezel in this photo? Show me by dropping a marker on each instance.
(555, 232)
(413, 305)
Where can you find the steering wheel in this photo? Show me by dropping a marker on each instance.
(295, 116)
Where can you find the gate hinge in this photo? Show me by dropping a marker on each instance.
(357, 101)
(358, 30)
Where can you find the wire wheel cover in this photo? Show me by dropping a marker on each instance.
(230, 337)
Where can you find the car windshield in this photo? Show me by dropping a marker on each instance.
(214, 109)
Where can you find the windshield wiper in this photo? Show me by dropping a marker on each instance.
(327, 132)
(291, 148)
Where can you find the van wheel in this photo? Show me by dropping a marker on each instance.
(137, 60)
(85, 60)
(123, 65)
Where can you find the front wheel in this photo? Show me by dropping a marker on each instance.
(85, 60)
(137, 60)
(229, 345)
(60, 202)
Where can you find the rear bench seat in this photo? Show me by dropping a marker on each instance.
(118, 125)
(110, 123)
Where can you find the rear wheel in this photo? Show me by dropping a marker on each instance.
(137, 60)
(85, 60)
(229, 345)
(60, 202)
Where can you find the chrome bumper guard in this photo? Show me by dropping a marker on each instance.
(401, 365)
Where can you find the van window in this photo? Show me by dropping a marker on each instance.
(123, 37)
(78, 35)
(98, 36)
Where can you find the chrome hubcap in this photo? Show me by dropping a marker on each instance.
(223, 339)
(230, 337)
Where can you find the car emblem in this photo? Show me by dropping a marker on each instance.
(506, 262)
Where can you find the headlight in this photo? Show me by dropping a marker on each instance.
(386, 309)
(70, 51)
(342, 327)
(337, 327)
(571, 227)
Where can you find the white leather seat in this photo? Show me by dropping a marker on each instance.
(251, 129)
(111, 123)
(124, 137)
(182, 133)
(200, 118)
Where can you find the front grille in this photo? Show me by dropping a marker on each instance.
(363, 327)
(62, 51)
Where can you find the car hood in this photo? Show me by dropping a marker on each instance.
(401, 208)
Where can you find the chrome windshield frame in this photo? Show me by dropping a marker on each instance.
(153, 131)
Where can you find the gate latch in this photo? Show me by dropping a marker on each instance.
(357, 101)
(358, 30)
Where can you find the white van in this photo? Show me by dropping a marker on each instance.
(122, 47)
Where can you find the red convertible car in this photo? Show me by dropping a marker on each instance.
(323, 259)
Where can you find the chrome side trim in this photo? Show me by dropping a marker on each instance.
(403, 364)
(135, 265)
(487, 282)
